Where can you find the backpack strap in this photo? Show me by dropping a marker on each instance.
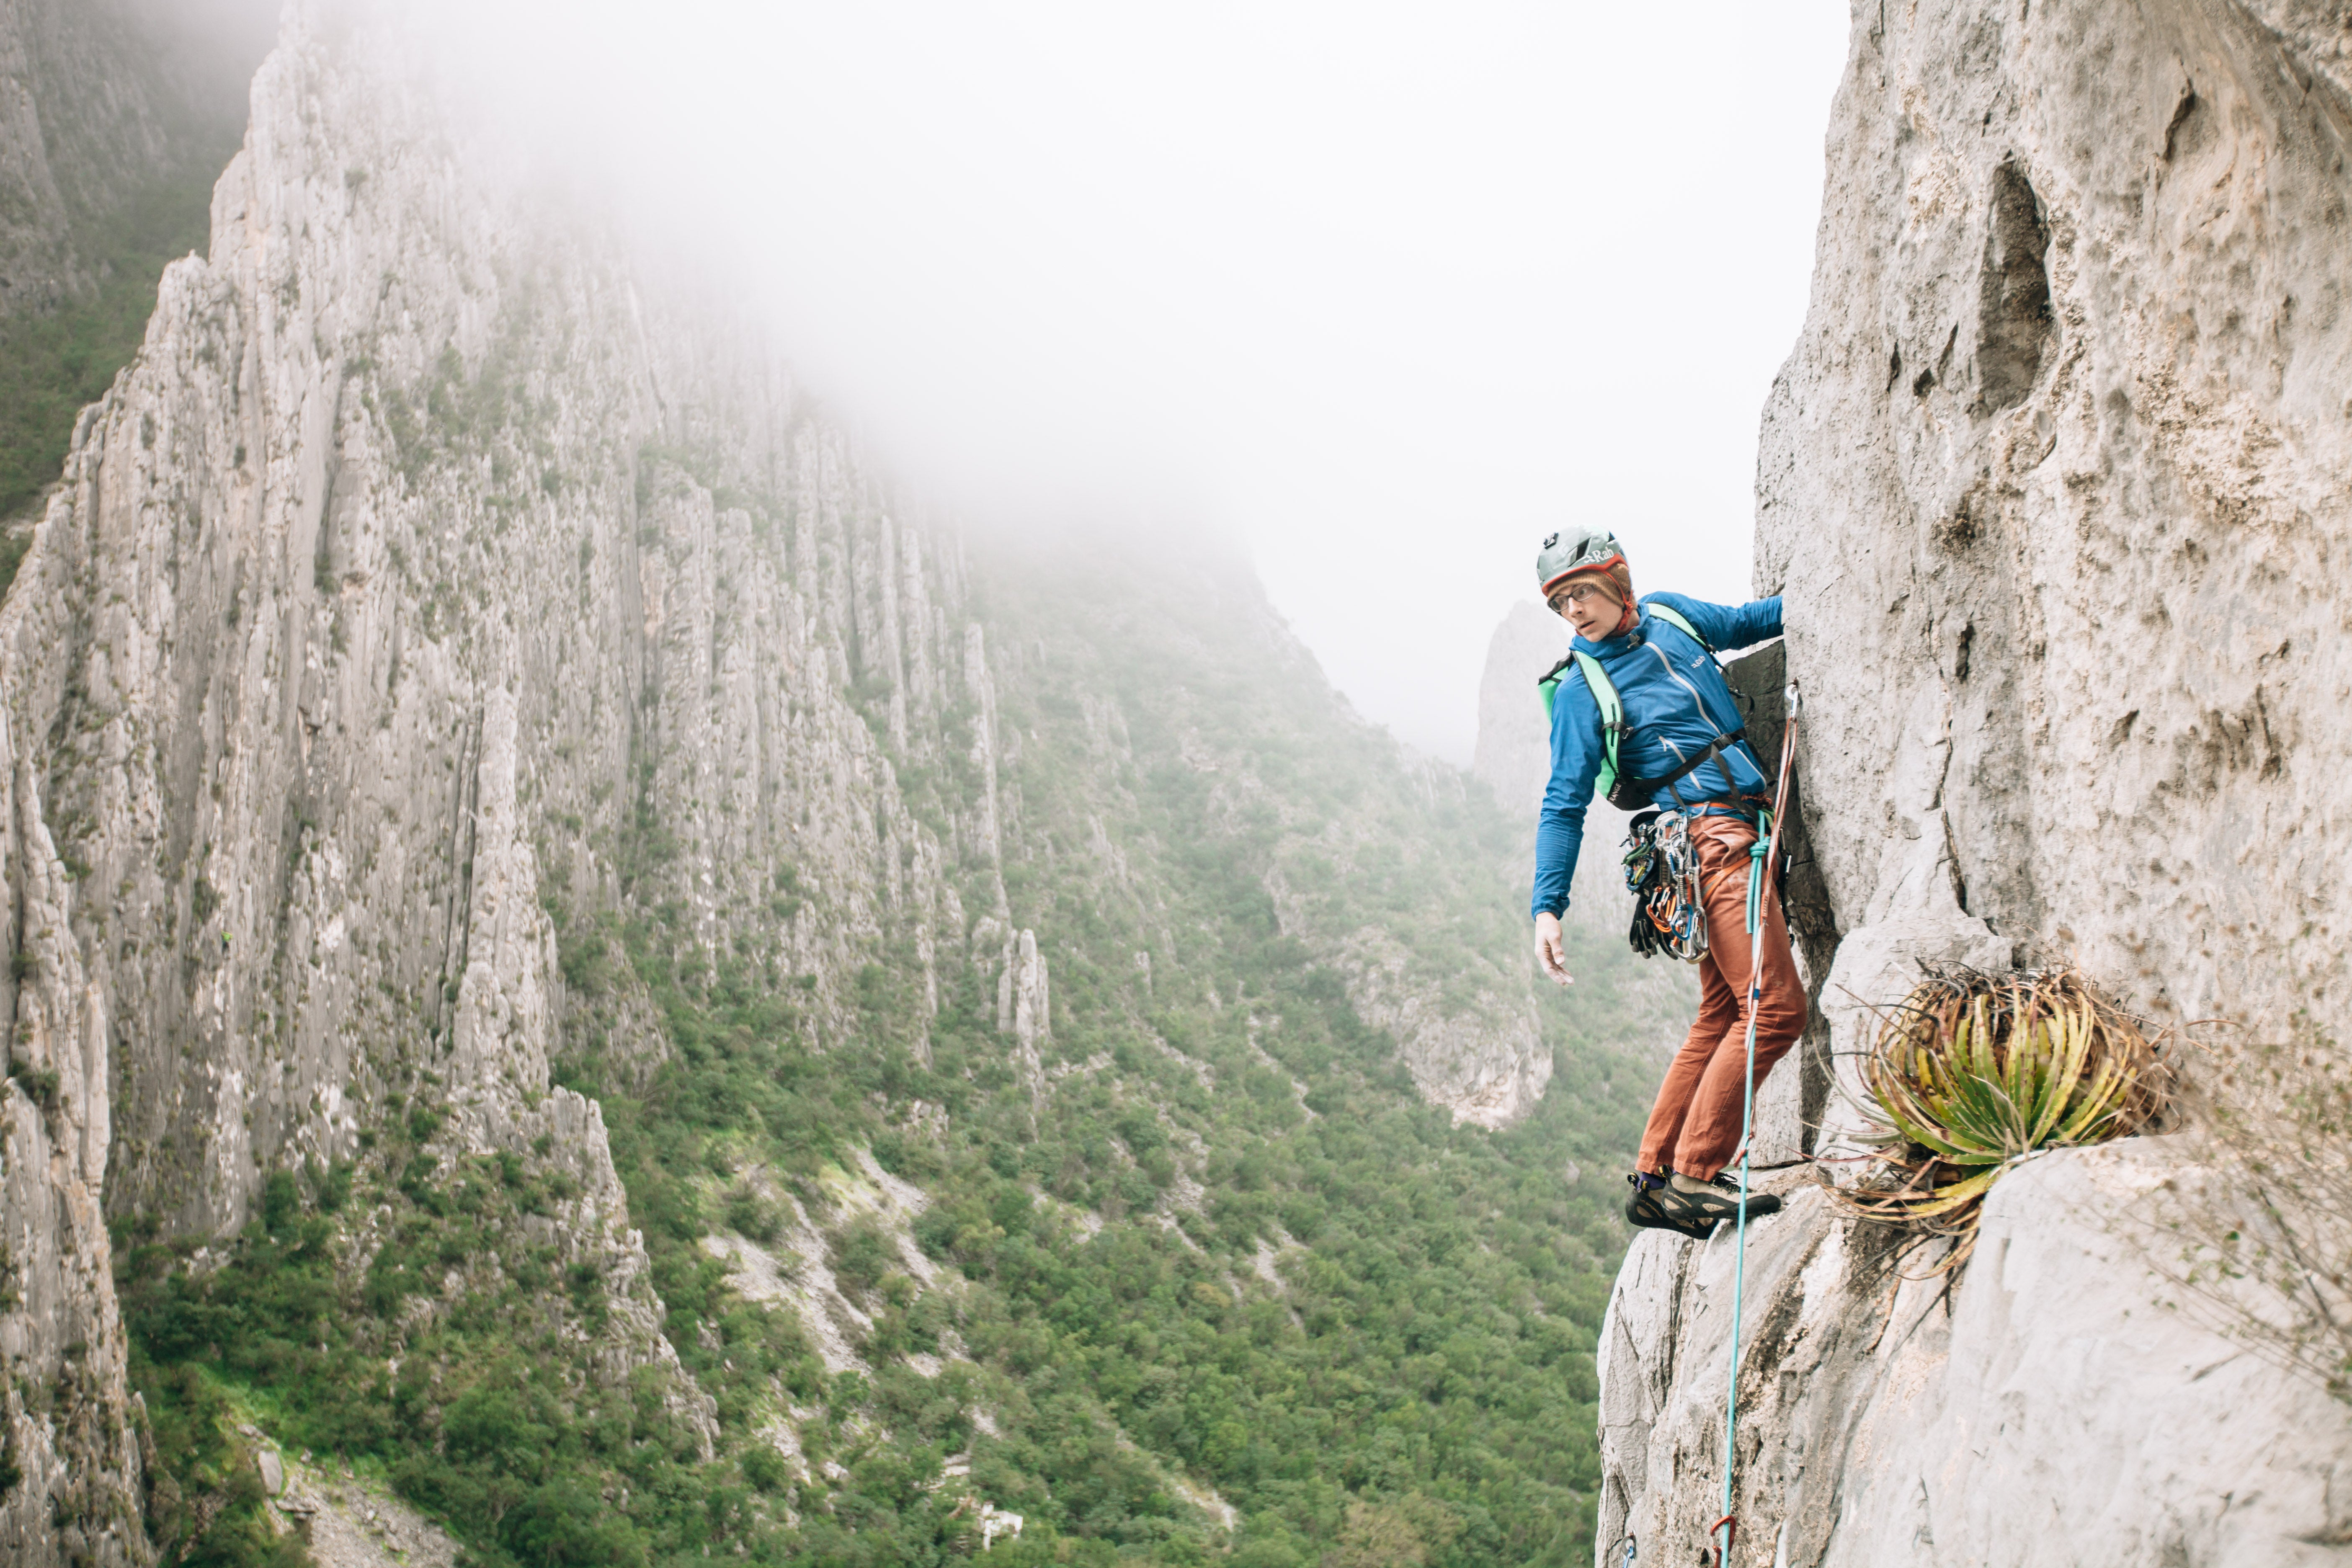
(1604, 696)
(1674, 618)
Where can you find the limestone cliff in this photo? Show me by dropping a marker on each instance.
(443, 625)
(2055, 484)
(99, 108)
(378, 596)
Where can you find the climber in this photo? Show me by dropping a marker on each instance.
(1681, 747)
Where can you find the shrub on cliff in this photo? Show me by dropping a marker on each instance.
(2260, 1236)
(1972, 1072)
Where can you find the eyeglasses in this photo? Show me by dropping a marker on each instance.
(1578, 593)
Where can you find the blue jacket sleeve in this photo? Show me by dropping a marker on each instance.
(1576, 754)
(1726, 626)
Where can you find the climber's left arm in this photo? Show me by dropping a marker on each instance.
(1728, 627)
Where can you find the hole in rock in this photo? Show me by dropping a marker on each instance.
(2190, 131)
(2013, 321)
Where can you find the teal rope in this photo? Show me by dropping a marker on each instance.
(1755, 853)
(1757, 856)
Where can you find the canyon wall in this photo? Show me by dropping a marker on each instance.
(435, 594)
(100, 106)
(377, 596)
(2058, 487)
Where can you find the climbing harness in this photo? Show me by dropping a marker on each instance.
(1627, 793)
(1762, 863)
(1662, 872)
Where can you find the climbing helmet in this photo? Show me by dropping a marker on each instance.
(1574, 550)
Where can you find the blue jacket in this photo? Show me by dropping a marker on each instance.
(1675, 702)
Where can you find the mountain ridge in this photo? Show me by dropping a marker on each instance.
(515, 822)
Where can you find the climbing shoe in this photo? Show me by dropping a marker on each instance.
(1648, 1208)
(1717, 1199)
(1689, 1206)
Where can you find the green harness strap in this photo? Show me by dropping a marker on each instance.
(1604, 692)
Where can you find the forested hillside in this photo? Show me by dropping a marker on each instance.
(622, 986)
(105, 175)
(1210, 1249)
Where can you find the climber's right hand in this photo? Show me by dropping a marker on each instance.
(1550, 953)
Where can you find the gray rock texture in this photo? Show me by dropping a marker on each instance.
(377, 590)
(94, 115)
(96, 107)
(2055, 484)
(1513, 753)
(432, 586)
(2051, 1409)
(347, 1523)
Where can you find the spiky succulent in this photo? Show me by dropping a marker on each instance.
(1972, 1071)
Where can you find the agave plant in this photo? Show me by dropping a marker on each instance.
(1972, 1071)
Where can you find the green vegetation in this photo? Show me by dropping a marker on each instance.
(54, 364)
(1972, 1071)
(478, 1402)
(1224, 1247)
(2262, 1247)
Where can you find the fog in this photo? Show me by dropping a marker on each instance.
(1383, 293)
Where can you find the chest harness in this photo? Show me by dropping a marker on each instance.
(1662, 869)
(1623, 791)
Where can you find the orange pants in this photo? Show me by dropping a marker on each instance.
(1696, 1122)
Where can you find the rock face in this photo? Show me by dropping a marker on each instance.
(2055, 485)
(96, 112)
(95, 116)
(2047, 1410)
(377, 595)
(1514, 754)
(432, 587)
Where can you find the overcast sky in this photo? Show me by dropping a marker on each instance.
(1385, 292)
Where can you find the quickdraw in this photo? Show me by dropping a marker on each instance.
(1662, 872)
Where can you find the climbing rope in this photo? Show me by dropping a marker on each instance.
(1761, 861)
